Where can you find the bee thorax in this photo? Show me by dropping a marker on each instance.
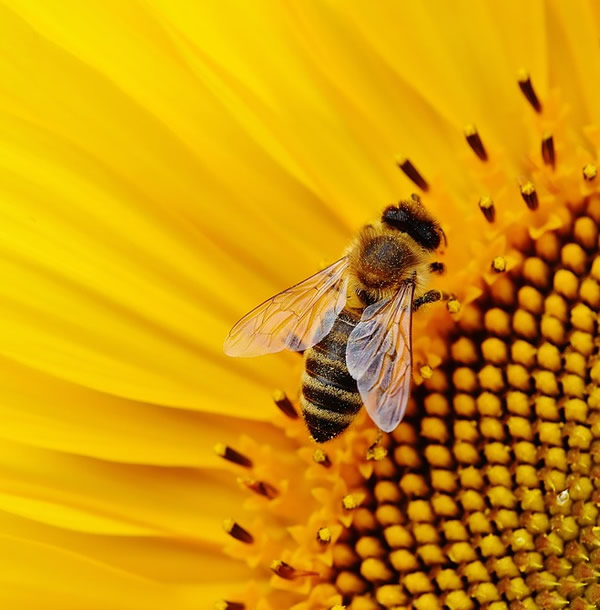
(383, 261)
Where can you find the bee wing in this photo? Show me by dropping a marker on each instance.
(379, 357)
(294, 319)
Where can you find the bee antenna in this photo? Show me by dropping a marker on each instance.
(443, 236)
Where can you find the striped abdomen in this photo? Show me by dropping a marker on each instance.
(330, 398)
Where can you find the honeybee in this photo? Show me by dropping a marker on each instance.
(353, 320)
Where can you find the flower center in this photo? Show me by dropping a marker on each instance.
(490, 490)
(487, 495)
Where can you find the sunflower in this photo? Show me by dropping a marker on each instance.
(167, 165)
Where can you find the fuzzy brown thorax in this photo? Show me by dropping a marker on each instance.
(382, 258)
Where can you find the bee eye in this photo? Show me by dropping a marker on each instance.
(415, 223)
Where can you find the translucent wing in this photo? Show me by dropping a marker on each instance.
(294, 319)
(379, 357)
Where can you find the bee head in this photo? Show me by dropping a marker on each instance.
(412, 218)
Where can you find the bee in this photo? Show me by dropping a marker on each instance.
(353, 321)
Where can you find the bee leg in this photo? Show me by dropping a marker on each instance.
(443, 236)
(437, 267)
(431, 296)
(377, 451)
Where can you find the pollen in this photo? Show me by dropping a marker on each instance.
(590, 171)
(486, 205)
(426, 372)
(320, 457)
(453, 305)
(529, 195)
(352, 501)
(528, 91)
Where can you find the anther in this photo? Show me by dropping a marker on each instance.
(426, 372)
(453, 305)
(486, 205)
(231, 455)
(262, 488)
(225, 605)
(284, 404)
(286, 571)
(589, 172)
(237, 531)
(376, 452)
(548, 154)
(320, 457)
(474, 141)
(528, 91)
(499, 264)
(352, 501)
(324, 535)
(529, 195)
(413, 174)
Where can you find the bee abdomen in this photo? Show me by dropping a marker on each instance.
(330, 398)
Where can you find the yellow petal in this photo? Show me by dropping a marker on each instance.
(89, 495)
(34, 576)
(38, 409)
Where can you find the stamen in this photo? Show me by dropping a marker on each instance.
(285, 570)
(426, 372)
(352, 501)
(262, 488)
(528, 91)
(548, 154)
(486, 205)
(499, 264)
(285, 404)
(474, 141)
(237, 531)
(376, 452)
(590, 171)
(453, 305)
(529, 195)
(320, 457)
(324, 535)
(225, 605)
(413, 174)
(231, 455)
